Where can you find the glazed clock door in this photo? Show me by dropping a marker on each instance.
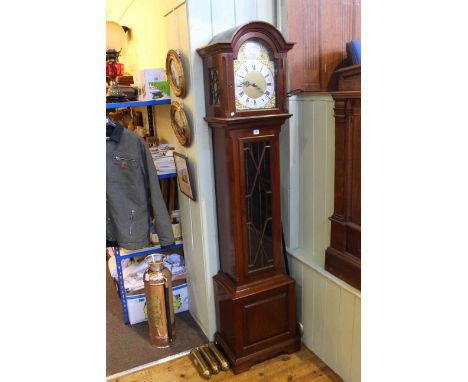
(259, 201)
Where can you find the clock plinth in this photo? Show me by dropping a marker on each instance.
(255, 300)
(257, 321)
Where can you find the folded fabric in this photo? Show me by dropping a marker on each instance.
(353, 49)
(175, 263)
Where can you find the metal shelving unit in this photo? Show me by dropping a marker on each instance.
(150, 250)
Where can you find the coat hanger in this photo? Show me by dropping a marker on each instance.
(110, 122)
(110, 127)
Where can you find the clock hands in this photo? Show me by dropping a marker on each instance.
(253, 84)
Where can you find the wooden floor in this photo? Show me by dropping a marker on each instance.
(300, 366)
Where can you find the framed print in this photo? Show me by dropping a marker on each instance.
(175, 73)
(179, 124)
(183, 175)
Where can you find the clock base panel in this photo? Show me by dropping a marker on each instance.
(255, 322)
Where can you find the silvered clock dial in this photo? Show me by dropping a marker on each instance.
(254, 77)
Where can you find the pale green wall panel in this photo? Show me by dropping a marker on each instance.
(309, 158)
(331, 318)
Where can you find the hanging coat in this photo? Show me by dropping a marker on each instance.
(133, 195)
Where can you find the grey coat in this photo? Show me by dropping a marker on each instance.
(132, 191)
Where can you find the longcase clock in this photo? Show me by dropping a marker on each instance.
(244, 75)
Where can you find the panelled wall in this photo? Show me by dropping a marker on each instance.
(308, 149)
(328, 308)
(330, 311)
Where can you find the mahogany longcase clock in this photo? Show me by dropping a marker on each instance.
(244, 75)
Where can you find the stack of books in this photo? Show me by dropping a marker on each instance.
(163, 158)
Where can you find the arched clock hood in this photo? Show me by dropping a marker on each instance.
(218, 69)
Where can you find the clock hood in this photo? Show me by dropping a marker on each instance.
(227, 39)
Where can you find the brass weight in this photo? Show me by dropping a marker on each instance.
(199, 363)
(219, 356)
(210, 359)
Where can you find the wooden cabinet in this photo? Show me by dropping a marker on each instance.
(321, 29)
(343, 256)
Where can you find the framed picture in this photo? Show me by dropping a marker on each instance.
(183, 175)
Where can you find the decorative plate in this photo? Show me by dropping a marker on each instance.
(175, 73)
(179, 124)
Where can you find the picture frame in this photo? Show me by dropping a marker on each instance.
(175, 73)
(180, 124)
(183, 175)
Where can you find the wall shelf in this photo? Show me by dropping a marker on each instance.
(168, 175)
(152, 102)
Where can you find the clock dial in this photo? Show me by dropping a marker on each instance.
(255, 85)
(254, 77)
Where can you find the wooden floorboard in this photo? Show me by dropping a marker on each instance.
(302, 366)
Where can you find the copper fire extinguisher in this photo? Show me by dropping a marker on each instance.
(158, 290)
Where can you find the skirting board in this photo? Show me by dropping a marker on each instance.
(146, 365)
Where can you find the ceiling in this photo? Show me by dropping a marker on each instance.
(116, 8)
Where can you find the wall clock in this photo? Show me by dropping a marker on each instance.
(175, 73)
(245, 100)
(179, 124)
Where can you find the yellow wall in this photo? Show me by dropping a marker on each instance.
(146, 47)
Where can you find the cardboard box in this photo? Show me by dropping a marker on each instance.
(180, 298)
(136, 303)
(152, 84)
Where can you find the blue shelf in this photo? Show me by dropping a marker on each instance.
(152, 102)
(165, 176)
(150, 250)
